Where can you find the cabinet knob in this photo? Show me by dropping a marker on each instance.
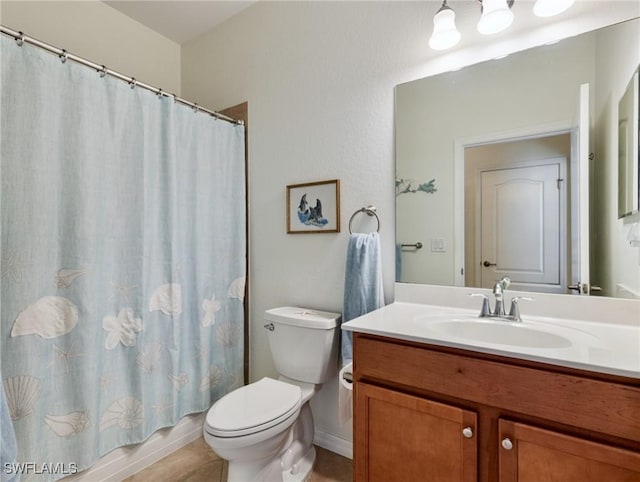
(467, 432)
(507, 444)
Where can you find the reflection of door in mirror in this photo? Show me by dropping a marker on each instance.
(516, 220)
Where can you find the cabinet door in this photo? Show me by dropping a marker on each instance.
(399, 437)
(530, 454)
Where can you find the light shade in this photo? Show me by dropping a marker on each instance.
(496, 16)
(445, 34)
(549, 8)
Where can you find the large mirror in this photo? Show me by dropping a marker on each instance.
(510, 167)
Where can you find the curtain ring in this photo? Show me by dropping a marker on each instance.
(102, 71)
(159, 93)
(196, 108)
(20, 39)
(133, 83)
(63, 56)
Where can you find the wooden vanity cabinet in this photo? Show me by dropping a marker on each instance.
(531, 454)
(436, 414)
(429, 437)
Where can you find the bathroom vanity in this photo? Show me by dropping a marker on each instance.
(432, 405)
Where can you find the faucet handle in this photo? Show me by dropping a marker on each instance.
(514, 312)
(486, 310)
(505, 281)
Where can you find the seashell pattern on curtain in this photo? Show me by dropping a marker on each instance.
(122, 263)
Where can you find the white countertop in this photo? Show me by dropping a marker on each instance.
(588, 345)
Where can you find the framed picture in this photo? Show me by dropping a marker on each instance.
(313, 207)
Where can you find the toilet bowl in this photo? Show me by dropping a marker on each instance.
(265, 429)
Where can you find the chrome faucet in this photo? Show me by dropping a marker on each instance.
(498, 311)
(498, 292)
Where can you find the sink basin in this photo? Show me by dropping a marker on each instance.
(604, 347)
(500, 332)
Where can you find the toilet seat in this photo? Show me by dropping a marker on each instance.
(253, 408)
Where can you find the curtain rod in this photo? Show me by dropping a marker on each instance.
(21, 38)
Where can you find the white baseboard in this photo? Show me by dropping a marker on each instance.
(335, 444)
(126, 461)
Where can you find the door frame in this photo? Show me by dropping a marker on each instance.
(241, 112)
(460, 144)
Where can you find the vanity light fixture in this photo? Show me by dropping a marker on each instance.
(496, 16)
(445, 34)
(549, 8)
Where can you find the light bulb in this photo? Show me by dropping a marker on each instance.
(549, 8)
(496, 16)
(445, 34)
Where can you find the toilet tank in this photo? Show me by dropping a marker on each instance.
(305, 343)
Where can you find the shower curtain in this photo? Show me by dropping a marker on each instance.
(123, 260)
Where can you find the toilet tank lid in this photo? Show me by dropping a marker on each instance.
(304, 317)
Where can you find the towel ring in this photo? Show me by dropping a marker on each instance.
(371, 211)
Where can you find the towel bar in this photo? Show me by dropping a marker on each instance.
(371, 211)
(417, 245)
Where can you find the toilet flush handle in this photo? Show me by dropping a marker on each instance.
(270, 326)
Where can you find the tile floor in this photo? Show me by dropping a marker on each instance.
(196, 462)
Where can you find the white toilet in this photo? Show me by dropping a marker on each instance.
(265, 429)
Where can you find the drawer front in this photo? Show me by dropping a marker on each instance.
(595, 405)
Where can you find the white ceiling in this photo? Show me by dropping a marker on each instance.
(180, 21)
(183, 20)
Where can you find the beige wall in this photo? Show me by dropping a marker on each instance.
(320, 91)
(97, 32)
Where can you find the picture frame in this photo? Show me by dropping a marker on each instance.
(313, 207)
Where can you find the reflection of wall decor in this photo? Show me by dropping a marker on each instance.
(313, 207)
(404, 186)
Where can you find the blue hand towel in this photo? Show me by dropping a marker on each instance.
(8, 446)
(363, 288)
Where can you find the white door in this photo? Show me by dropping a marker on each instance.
(520, 227)
(580, 277)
